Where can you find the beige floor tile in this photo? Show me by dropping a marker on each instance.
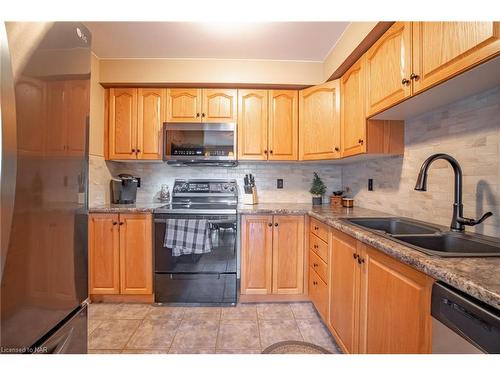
(238, 351)
(196, 334)
(165, 312)
(273, 331)
(145, 351)
(132, 311)
(112, 334)
(92, 325)
(274, 311)
(154, 334)
(191, 351)
(104, 351)
(101, 311)
(315, 332)
(304, 310)
(238, 334)
(202, 313)
(240, 312)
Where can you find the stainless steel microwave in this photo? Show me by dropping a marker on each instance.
(199, 143)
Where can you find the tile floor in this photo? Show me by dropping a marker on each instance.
(244, 329)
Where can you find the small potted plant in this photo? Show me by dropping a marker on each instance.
(318, 189)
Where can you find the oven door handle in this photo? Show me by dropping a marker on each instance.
(164, 221)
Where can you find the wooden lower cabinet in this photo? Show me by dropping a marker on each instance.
(120, 254)
(395, 306)
(344, 277)
(377, 304)
(272, 255)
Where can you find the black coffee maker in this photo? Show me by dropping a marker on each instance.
(124, 189)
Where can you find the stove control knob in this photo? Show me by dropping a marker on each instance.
(231, 189)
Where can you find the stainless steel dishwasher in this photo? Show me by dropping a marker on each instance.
(462, 324)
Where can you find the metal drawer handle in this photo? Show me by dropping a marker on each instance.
(315, 283)
(315, 264)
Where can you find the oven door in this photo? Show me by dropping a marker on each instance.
(199, 141)
(222, 258)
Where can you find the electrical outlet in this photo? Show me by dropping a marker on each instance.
(370, 184)
(279, 183)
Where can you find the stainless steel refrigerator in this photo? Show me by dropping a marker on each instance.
(45, 84)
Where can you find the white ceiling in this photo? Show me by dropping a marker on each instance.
(307, 41)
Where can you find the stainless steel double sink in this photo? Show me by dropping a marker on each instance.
(428, 238)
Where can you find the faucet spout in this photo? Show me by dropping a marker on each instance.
(458, 222)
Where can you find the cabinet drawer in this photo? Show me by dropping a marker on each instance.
(319, 229)
(318, 265)
(319, 247)
(318, 292)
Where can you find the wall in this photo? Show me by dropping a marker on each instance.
(350, 39)
(297, 178)
(469, 130)
(210, 71)
(96, 144)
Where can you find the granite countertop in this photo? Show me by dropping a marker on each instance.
(478, 277)
(117, 208)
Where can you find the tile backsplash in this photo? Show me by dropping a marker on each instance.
(468, 130)
(296, 178)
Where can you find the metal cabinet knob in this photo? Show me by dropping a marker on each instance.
(121, 223)
(270, 224)
(316, 228)
(414, 77)
(265, 152)
(115, 222)
(337, 149)
(198, 114)
(360, 141)
(133, 150)
(315, 246)
(405, 81)
(355, 256)
(202, 115)
(315, 264)
(315, 283)
(270, 151)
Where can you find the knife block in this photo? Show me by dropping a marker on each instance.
(250, 198)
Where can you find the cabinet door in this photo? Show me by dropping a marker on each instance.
(77, 101)
(122, 123)
(136, 264)
(388, 63)
(104, 254)
(319, 122)
(30, 115)
(344, 277)
(183, 105)
(353, 110)
(444, 49)
(256, 254)
(56, 142)
(151, 113)
(395, 305)
(252, 125)
(283, 125)
(288, 255)
(219, 105)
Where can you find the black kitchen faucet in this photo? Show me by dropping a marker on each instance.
(458, 222)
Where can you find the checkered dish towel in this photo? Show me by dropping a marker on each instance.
(186, 236)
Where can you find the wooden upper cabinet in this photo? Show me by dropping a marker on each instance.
(184, 105)
(56, 131)
(136, 264)
(104, 254)
(77, 98)
(256, 254)
(283, 125)
(219, 105)
(319, 122)
(288, 254)
(151, 113)
(122, 123)
(395, 303)
(30, 114)
(353, 127)
(252, 124)
(444, 49)
(388, 68)
(344, 277)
